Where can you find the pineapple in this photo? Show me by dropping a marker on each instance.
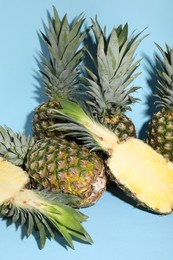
(135, 166)
(56, 164)
(59, 70)
(41, 211)
(107, 89)
(160, 134)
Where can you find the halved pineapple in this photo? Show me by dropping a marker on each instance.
(134, 165)
(42, 210)
(145, 173)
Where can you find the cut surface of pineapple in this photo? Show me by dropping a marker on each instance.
(12, 180)
(144, 173)
(135, 166)
(41, 211)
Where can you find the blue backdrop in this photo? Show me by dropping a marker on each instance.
(119, 230)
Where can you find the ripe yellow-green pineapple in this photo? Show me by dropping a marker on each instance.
(135, 166)
(54, 162)
(108, 93)
(43, 212)
(59, 71)
(56, 165)
(160, 134)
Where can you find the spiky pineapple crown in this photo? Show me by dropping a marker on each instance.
(60, 70)
(14, 146)
(165, 77)
(108, 88)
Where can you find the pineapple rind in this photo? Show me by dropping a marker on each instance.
(160, 133)
(58, 164)
(121, 125)
(42, 120)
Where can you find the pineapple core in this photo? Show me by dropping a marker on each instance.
(12, 180)
(144, 173)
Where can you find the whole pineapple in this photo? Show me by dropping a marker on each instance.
(107, 89)
(56, 164)
(160, 134)
(59, 69)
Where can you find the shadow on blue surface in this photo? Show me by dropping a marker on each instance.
(120, 194)
(58, 237)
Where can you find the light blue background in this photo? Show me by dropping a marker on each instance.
(119, 230)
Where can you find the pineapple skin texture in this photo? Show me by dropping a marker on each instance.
(122, 126)
(87, 181)
(42, 121)
(160, 134)
(58, 164)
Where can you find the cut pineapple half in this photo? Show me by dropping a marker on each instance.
(12, 180)
(41, 210)
(145, 173)
(136, 167)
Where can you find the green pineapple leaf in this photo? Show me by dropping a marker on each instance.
(14, 146)
(115, 64)
(45, 213)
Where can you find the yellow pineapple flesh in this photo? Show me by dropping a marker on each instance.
(12, 180)
(145, 173)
